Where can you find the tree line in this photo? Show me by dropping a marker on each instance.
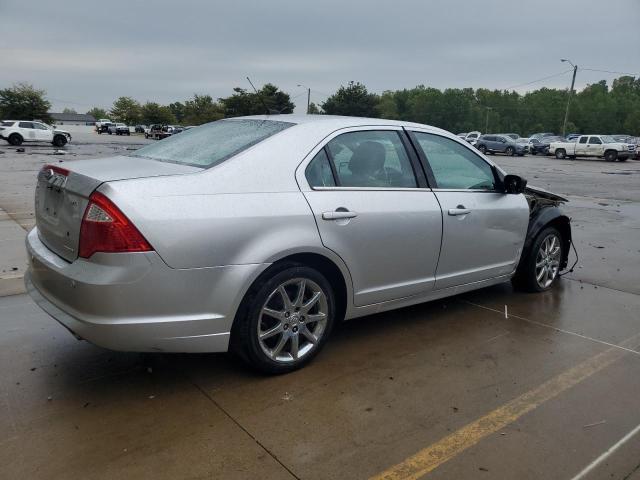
(597, 108)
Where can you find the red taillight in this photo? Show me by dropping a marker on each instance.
(55, 169)
(106, 229)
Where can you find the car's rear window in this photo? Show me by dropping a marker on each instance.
(6, 123)
(211, 144)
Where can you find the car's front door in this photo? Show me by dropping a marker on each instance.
(483, 229)
(373, 208)
(43, 133)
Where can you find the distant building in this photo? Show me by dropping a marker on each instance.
(72, 119)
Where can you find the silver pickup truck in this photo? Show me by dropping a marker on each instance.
(603, 146)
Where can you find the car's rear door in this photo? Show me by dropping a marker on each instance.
(374, 209)
(27, 131)
(483, 229)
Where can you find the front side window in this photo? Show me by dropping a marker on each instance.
(319, 171)
(208, 145)
(25, 124)
(454, 166)
(40, 126)
(374, 158)
(595, 141)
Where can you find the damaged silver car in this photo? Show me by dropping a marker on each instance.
(258, 234)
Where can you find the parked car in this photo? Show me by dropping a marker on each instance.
(572, 136)
(101, 122)
(119, 129)
(537, 147)
(472, 137)
(192, 245)
(540, 136)
(103, 127)
(500, 144)
(525, 142)
(17, 131)
(158, 132)
(140, 128)
(514, 136)
(603, 146)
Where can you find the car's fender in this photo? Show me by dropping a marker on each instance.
(540, 219)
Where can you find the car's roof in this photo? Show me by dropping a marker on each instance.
(335, 121)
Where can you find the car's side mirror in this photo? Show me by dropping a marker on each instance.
(514, 184)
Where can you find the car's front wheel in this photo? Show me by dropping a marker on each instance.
(285, 321)
(59, 141)
(482, 149)
(510, 151)
(541, 268)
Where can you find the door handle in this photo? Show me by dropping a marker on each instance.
(338, 215)
(459, 210)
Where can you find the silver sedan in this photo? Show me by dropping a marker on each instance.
(258, 234)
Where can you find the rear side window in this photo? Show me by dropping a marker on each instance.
(25, 125)
(213, 143)
(6, 123)
(373, 158)
(455, 166)
(319, 172)
(583, 140)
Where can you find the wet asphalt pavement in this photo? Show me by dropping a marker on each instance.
(449, 389)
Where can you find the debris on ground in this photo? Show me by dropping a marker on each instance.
(286, 396)
(59, 152)
(49, 398)
(482, 469)
(149, 370)
(601, 422)
(151, 397)
(20, 150)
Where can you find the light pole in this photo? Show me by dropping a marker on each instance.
(308, 96)
(573, 81)
(486, 122)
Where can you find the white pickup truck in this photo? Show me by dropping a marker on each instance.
(603, 146)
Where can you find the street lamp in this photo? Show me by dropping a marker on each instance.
(573, 81)
(308, 96)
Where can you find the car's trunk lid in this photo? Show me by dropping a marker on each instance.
(62, 194)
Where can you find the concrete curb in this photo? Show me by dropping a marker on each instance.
(12, 286)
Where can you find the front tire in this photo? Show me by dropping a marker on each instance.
(540, 268)
(560, 154)
(509, 151)
(610, 156)
(285, 321)
(59, 141)
(482, 149)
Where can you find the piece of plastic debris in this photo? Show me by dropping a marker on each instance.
(601, 422)
(20, 150)
(149, 370)
(49, 398)
(286, 396)
(506, 314)
(151, 397)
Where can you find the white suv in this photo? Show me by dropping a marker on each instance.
(17, 131)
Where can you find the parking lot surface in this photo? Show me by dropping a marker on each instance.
(491, 384)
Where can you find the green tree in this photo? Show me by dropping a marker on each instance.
(269, 99)
(313, 109)
(23, 101)
(69, 110)
(201, 109)
(178, 111)
(98, 113)
(353, 100)
(152, 112)
(126, 110)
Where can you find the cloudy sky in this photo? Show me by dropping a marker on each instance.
(86, 53)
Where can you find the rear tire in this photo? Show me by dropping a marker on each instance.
(539, 270)
(482, 149)
(15, 139)
(296, 328)
(560, 154)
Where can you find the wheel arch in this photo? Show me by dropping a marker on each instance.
(548, 217)
(330, 266)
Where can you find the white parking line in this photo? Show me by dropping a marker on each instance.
(589, 468)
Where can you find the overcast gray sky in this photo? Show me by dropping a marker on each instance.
(86, 53)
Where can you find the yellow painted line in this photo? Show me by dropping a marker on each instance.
(431, 457)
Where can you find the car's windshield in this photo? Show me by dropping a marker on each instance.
(607, 139)
(213, 143)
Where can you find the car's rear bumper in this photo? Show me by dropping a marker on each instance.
(135, 302)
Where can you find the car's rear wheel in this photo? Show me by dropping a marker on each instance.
(15, 139)
(510, 151)
(541, 266)
(560, 154)
(285, 321)
(59, 140)
(482, 149)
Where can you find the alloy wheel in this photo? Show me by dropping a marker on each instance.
(548, 260)
(292, 320)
